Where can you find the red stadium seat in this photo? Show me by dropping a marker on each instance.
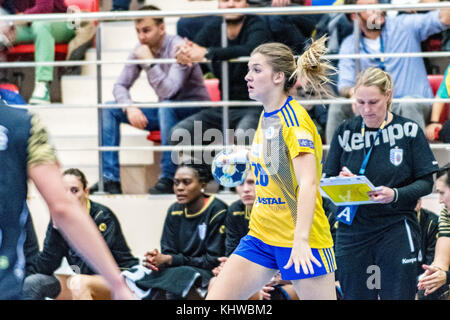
(84, 5)
(154, 136)
(435, 82)
(213, 88)
(25, 52)
(214, 92)
(10, 87)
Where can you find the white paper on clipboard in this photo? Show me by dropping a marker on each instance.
(347, 190)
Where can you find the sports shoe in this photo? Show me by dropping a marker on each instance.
(163, 186)
(41, 93)
(109, 186)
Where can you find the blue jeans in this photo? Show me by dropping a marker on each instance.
(162, 119)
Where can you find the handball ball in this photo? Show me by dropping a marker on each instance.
(230, 168)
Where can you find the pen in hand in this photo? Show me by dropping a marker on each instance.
(345, 172)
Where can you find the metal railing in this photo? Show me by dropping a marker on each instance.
(101, 16)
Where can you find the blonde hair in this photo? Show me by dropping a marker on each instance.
(310, 68)
(376, 77)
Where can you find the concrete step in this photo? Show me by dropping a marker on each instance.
(77, 128)
(83, 89)
(108, 70)
(73, 157)
(122, 34)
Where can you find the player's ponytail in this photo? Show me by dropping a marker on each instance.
(310, 68)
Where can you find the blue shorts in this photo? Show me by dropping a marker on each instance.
(273, 257)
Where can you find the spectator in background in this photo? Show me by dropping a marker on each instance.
(192, 240)
(292, 30)
(429, 227)
(7, 36)
(171, 82)
(238, 215)
(44, 35)
(244, 33)
(123, 5)
(436, 131)
(86, 285)
(444, 36)
(188, 27)
(25, 152)
(337, 27)
(437, 273)
(379, 34)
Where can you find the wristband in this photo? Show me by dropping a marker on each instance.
(435, 122)
(395, 194)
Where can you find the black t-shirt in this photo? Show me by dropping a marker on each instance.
(195, 239)
(56, 247)
(400, 156)
(238, 217)
(254, 32)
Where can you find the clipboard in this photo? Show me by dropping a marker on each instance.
(347, 190)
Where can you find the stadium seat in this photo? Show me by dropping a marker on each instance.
(9, 86)
(154, 136)
(213, 88)
(25, 52)
(84, 5)
(435, 82)
(214, 92)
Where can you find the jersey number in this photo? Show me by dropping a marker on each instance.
(260, 175)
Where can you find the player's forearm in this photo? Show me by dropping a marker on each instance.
(442, 253)
(436, 111)
(305, 209)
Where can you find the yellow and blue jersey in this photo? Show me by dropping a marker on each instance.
(281, 136)
(444, 88)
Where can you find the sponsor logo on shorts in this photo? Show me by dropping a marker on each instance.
(409, 261)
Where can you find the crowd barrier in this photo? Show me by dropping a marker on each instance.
(75, 17)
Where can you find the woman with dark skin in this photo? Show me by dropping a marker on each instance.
(193, 237)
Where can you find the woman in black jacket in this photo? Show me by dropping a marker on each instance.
(192, 240)
(85, 285)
